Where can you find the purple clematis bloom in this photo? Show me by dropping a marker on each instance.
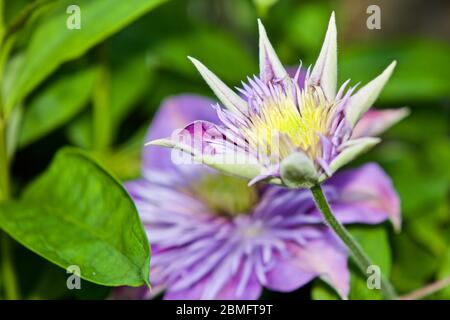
(214, 237)
(284, 129)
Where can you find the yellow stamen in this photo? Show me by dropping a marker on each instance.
(280, 127)
(226, 195)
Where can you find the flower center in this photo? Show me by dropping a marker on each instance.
(286, 122)
(226, 195)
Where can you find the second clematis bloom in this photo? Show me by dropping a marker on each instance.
(283, 129)
(213, 237)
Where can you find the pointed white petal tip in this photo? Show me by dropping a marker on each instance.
(196, 63)
(261, 28)
(270, 65)
(389, 70)
(402, 113)
(160, 142)
(260, 25)
(324, 72)
(393, 64)
(332, 17)
(228, 97)
(367, 95)
(397, 224)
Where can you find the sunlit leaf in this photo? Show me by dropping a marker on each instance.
(56, 104)
(77, 214)
(53, 43)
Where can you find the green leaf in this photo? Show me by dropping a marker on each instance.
(77, 214)
(215, 49)
(79, 132)
(443, 273)
(129, 82)
(322, 291)
(375, 243)
(421, 73)
(428, 228)
(414, 265)
(263, 6)
(13, 129)
(56, 104)
(125, 160)
(306, 27)
(418, 188)
(53, 43)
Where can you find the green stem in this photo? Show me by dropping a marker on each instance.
(102, 132)
(4, 163)
(2, 20)
(357, 253)
(7, 270)
(101, 105)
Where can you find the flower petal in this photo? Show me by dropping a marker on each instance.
(286, 275)
(174, 113)
(361, 101)
(204, 142)
(228, 97)
(365, 195)
(130, 293)
(192, 293)
(229, 287)
(270, 67)
(299, 74)
(327, 257)
(324, 257)
(324, 72)
(352, 149)
(375, 122)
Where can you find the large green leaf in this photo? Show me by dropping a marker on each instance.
(77, 214)
(53, 43)
(56, 104)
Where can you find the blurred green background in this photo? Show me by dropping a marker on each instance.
(130, 72)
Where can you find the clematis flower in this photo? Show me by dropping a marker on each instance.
(290, 130)
(214, 237)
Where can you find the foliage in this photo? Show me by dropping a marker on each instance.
(97, 88)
